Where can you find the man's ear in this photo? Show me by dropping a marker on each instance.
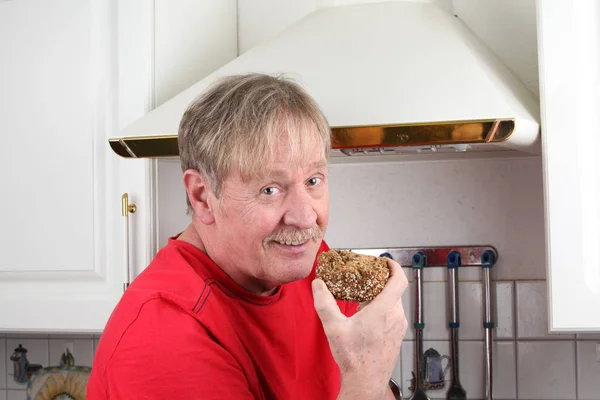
(199, 192)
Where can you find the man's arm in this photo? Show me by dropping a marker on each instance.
(174, 361)
(350, 308)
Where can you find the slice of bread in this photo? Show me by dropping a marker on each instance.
(352, 277)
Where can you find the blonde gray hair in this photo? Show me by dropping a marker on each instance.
(237, 122)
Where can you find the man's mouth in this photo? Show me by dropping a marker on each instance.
(291, 243)
(295, 238)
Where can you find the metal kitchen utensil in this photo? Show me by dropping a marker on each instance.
(396, 389)
(419, 260)
(488, 259)
(456, 391)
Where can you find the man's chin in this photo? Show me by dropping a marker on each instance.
(297, 273)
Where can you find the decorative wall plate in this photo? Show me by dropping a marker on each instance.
(58, 383)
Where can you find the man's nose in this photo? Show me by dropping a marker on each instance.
(300, 211)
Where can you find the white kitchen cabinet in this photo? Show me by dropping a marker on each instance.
(72, 74)
(569, 64)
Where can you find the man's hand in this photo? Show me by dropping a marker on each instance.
(366, 346)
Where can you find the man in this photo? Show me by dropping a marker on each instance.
(230, 309)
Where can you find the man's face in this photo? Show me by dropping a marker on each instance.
(270, 228)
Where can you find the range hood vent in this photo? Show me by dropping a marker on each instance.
(393, 77)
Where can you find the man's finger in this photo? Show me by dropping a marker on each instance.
(394, 287)
(325, 304)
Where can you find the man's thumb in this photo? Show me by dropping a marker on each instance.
(325, 304)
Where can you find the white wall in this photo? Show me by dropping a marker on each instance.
(254, 28)
(185, 50)
(508, 28)
(495, 202)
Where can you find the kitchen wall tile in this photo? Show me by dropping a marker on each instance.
(503, 308)
(408, 299)
(469, 274)
(96, 341)
(588, 370)
(532, 311)
(504, 370)
(588, 336)
(408, 351)
(470, 362)
(546, 370)
(82, 350)
(440, 274)
(26, 336)
(3, 357)
(435, 274)
(16, 395)
(37, 353)
(397, 372)
(470, 310)
(434, 311)
(2, 394)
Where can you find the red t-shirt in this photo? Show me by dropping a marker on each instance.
(185, 330)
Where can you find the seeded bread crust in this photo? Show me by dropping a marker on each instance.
(352, 277)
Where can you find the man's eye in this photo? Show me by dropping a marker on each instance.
(269, 191)
(314, 181)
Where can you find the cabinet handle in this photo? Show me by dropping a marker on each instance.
(127, 209)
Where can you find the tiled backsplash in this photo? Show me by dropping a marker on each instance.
(41, 349)
(528, 362)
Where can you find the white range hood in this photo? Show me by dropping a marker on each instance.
(392, 77)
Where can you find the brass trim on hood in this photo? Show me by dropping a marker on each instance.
(457, 132)
(145, 146)
(402, 135)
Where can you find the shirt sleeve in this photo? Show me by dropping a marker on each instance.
(173, 359)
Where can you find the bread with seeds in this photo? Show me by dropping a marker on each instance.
(351, 276)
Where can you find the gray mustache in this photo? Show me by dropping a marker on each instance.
(314, 233)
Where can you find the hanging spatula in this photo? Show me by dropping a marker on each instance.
(456, 391)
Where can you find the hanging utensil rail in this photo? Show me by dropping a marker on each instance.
(436, 256)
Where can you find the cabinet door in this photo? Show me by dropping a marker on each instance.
(72, 74)
(569, 64)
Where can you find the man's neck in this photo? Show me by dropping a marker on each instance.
(191, 236)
